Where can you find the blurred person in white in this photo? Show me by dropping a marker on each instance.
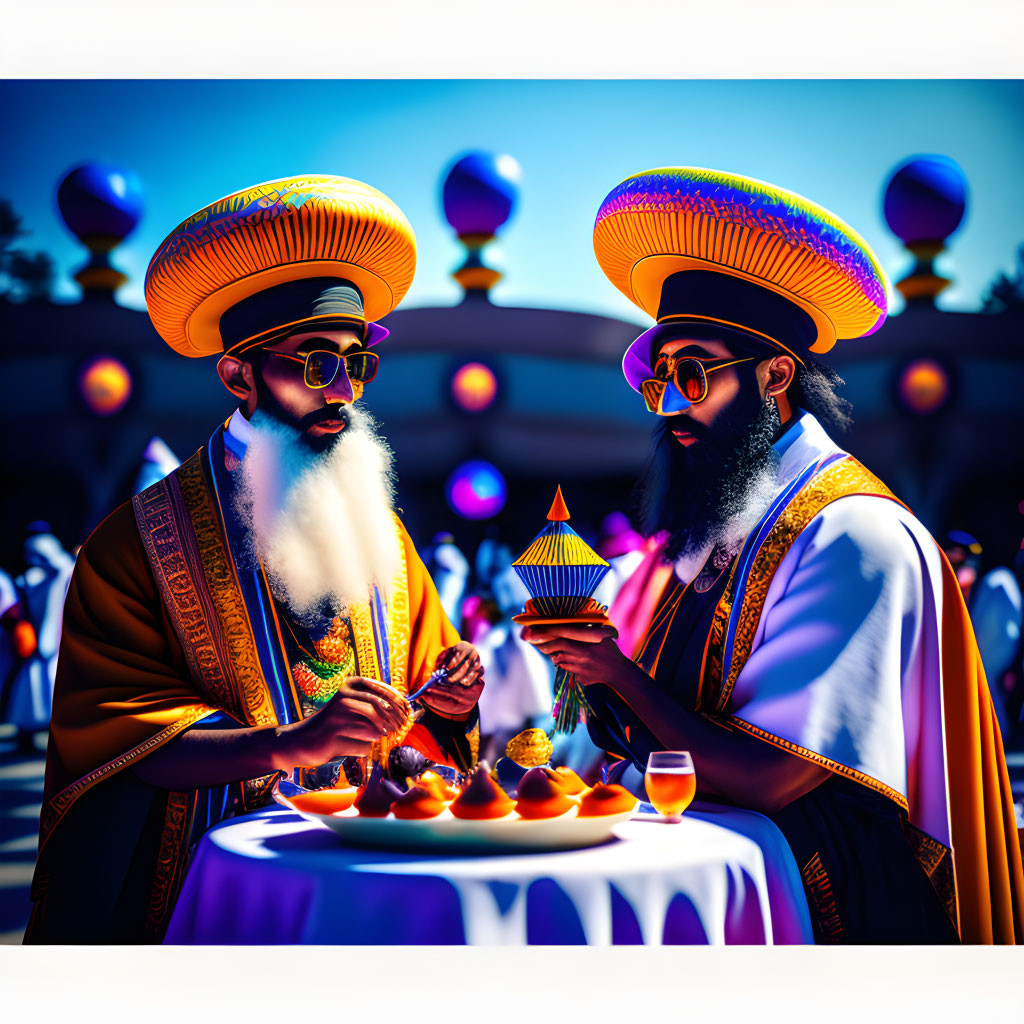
(41, 591)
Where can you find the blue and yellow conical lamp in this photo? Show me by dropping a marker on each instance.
(561, 571)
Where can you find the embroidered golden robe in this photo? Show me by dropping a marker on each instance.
(164, 629)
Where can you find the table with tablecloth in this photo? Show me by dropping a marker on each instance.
(722, 875)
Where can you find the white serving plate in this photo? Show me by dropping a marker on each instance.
(450, 834)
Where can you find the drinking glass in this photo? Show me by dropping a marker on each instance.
(670, 782)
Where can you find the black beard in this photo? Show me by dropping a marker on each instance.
(691, 493)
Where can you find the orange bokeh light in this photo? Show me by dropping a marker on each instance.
(106, 385)
(924, 386)
(474, 387)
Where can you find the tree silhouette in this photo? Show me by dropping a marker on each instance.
(33, 274)
(1006, 292)
(10, 225)
(24, 276)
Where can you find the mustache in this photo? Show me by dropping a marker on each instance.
(683, 422)
(329, 413)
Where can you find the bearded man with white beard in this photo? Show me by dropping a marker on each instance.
(262, 609)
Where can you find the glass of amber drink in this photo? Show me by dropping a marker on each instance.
(670, 782)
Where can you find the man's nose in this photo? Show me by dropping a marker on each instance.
(340, 389)
(673, 401)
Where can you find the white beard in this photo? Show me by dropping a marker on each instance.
(321, 523)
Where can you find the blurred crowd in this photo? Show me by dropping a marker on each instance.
(996, 606)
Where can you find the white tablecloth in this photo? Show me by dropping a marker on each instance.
(720, 876)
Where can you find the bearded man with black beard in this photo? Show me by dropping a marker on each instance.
(797, 629)
(713, 490)
(262, 610)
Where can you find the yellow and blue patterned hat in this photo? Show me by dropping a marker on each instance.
(317, 249)
(688, 244)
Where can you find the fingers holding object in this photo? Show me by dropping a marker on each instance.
(459, 661)
(391, 711)
(467, 671)
(368, 721)
(375, 686)
(457, 670)
(590, 633)
(561, 646)
(455, 699)
(455, 691)
(388, 699)
(549, 647)
(447, 704)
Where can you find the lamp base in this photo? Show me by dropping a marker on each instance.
(591, 613)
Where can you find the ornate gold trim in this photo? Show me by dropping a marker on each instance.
(245, 671)
(360, 617)
(58, 806)
(398, 624)
(167, 875)
(826, 762)
(256, 792)
(819, 885)
(936, 859)
(710, 685)
(844, 478)
(167, 549)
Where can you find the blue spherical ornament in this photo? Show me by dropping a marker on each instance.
(100, 199)
(925, 199)
(480, 192)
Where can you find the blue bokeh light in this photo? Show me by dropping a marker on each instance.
(476, 490)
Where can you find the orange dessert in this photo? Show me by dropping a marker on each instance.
(325, 801)
(604, 799)
(541, 795)
(437, 785)
(571, 782)
(481, 797)
(419, 802)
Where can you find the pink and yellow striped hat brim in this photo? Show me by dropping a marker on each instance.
(672, 220)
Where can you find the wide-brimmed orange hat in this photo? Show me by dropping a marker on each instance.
(243, 265)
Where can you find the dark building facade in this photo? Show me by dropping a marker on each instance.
(935, 396)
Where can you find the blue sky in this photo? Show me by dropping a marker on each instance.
(833, 141)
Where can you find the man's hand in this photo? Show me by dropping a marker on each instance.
(456, 696)
(729, 763)
(589, 652)
(360, 712)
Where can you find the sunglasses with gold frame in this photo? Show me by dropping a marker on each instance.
(688, 374)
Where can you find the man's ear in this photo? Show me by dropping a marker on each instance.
(237, 376)
(779, 375)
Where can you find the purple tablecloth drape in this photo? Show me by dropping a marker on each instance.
(722, 875)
